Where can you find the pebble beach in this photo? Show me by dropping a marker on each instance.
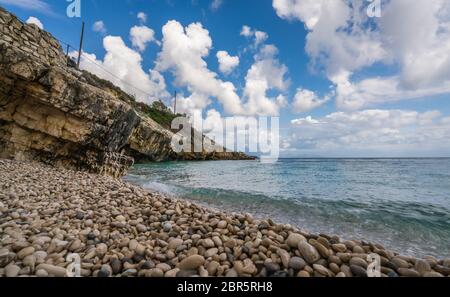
(118, 229)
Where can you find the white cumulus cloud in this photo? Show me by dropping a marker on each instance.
(183, 52)
(140, 36)
(36, 21)
(99, 26)
(123, 67)
(306, 100)
(142, 16)
(227, 63)
(372, 132)
(343, 41)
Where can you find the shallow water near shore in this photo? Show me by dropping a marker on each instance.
(403, 204)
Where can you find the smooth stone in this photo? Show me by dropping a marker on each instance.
(323, 251)
(303, 273)
(172, 273)
(75, 245)
(211, 252)
(408, 272)
(41, 273)
(212, 267)
(129, 272)
(294, 239)
(339, 247)
(30, 261)
(103, 273)
(230, 243)
(222, 224)
(149, 264)
(167, 226)
(12, 270)
(400, 263)
(164, 267)
(271, 266)
(25, 252)
(175, 243)
(433, 274)
(120, 218)
(192, 262)
(231, 273)
(309, 253)
(141, 228)
(208, 243)
(358, 262)
(321, 269)
(284, 256)
(358, 271)
(422, 266)
(116, 266)
(101, 249)
(52, 269)
(297, 263)
(186, 273)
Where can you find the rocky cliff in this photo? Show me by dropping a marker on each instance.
(61, 116)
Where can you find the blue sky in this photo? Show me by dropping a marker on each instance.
(343, 84)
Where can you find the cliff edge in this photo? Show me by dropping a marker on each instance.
(62, 116)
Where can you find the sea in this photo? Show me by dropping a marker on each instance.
(403, 204)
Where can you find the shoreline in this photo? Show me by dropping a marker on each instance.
(119, 229)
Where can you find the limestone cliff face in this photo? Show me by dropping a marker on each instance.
(59, 115)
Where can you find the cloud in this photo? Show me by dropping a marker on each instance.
(259, 36)
(374, 131)
(227, 63)
(246, 31)
(36, 5)
(123, 67)
(99, 27)
(266, 74)
(142, 17)
(216, 4)
(140, 36)
(183, 52)
(36, 21)
(343, 41)
(306, 100)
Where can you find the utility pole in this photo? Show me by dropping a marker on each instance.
(175, 104)
(81, 46)
(67, 55)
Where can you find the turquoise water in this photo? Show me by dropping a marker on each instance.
(403, 204)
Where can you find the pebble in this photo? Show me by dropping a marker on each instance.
(53, 270)
(309, 253)
(271, 267)
(12, 270)
(408, 272)
(208, 243)
(192, 262)
(297, 263)
(41, 273)
(285, 257)
(358, 271)
(358, 262)
(175, 243)
(25, 252)
(294, 239)
(303, 273)
(422, 266)
(211, 252)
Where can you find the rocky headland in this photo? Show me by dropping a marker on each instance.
(118, 229)
(59, 115)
